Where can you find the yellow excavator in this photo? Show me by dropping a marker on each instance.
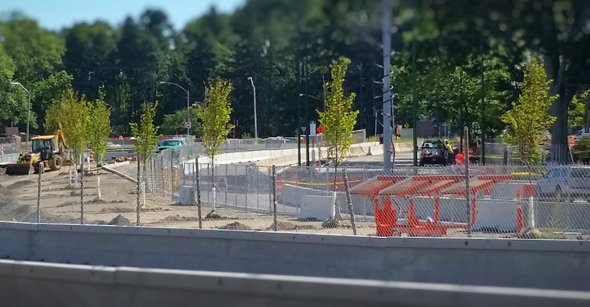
(47, 150)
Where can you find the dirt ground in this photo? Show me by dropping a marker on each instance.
(60, 203)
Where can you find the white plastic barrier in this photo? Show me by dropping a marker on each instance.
(317, 207)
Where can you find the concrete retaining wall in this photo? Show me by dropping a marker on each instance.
(281, 156)
(40, 284)
(498, 262)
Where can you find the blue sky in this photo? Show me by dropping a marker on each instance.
(56, 14)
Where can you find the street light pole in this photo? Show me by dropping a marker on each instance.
(387, 103)
(188, 127)
(28, 108)
(255, 117)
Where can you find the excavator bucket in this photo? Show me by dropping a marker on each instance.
(19, 169)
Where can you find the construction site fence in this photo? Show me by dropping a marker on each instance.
(491, 201)
(550, 201)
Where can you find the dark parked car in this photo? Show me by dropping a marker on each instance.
(433, 152)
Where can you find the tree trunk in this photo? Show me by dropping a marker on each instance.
(555, 67)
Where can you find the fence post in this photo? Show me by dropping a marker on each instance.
(41, 171)
(198, 194)
(257, 188)
(81, 187)
(247, 185)
(531, 213)
(98, 192)
(274, 199)
(467, 189)
(138, 208)
(171, 175)
(349, 201)
(268, 171)
(225, 201)
(364, 201)
(236, 187)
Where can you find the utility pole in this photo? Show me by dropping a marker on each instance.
(299, 114)
(483, 108)
(324, 92)
(414, 105)
(306, 113)
(387, 105)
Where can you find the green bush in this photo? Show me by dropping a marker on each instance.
(581, 150)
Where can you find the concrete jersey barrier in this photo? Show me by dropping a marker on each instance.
(43, 284)
(499, 262)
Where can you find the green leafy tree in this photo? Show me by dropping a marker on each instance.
(339, 118)
(215, 116)
(99, 128)
(529, 117)
(72, 115)
(146, 138)
(145, 133)
(174, 123)
(37, 56)
(15, 101)
(578, 112)
(581, 150)
(89, 55)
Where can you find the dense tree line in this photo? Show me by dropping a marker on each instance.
(463, 51)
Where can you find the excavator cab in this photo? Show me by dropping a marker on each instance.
(46, 148)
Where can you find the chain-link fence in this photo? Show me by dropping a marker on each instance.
(548, 201)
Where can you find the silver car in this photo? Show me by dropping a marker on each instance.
(572, 181)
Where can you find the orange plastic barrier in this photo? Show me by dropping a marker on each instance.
(385, 217)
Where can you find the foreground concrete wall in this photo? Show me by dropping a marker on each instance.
(39, 284)
(497, 262)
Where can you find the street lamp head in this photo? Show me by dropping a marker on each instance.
(301, 95)
(161, 82)
(249, 78)
(15, 83)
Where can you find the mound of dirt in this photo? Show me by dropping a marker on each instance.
(68, 203)
(98, 201)
(120, 220)
(331, 223)
(4, 191)
(213, 215)
(178, 218)
(290, 226)
(235, 226)
(116, 210)
(155, 209)
(5, 195)
(21, 184)
(19, 213)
